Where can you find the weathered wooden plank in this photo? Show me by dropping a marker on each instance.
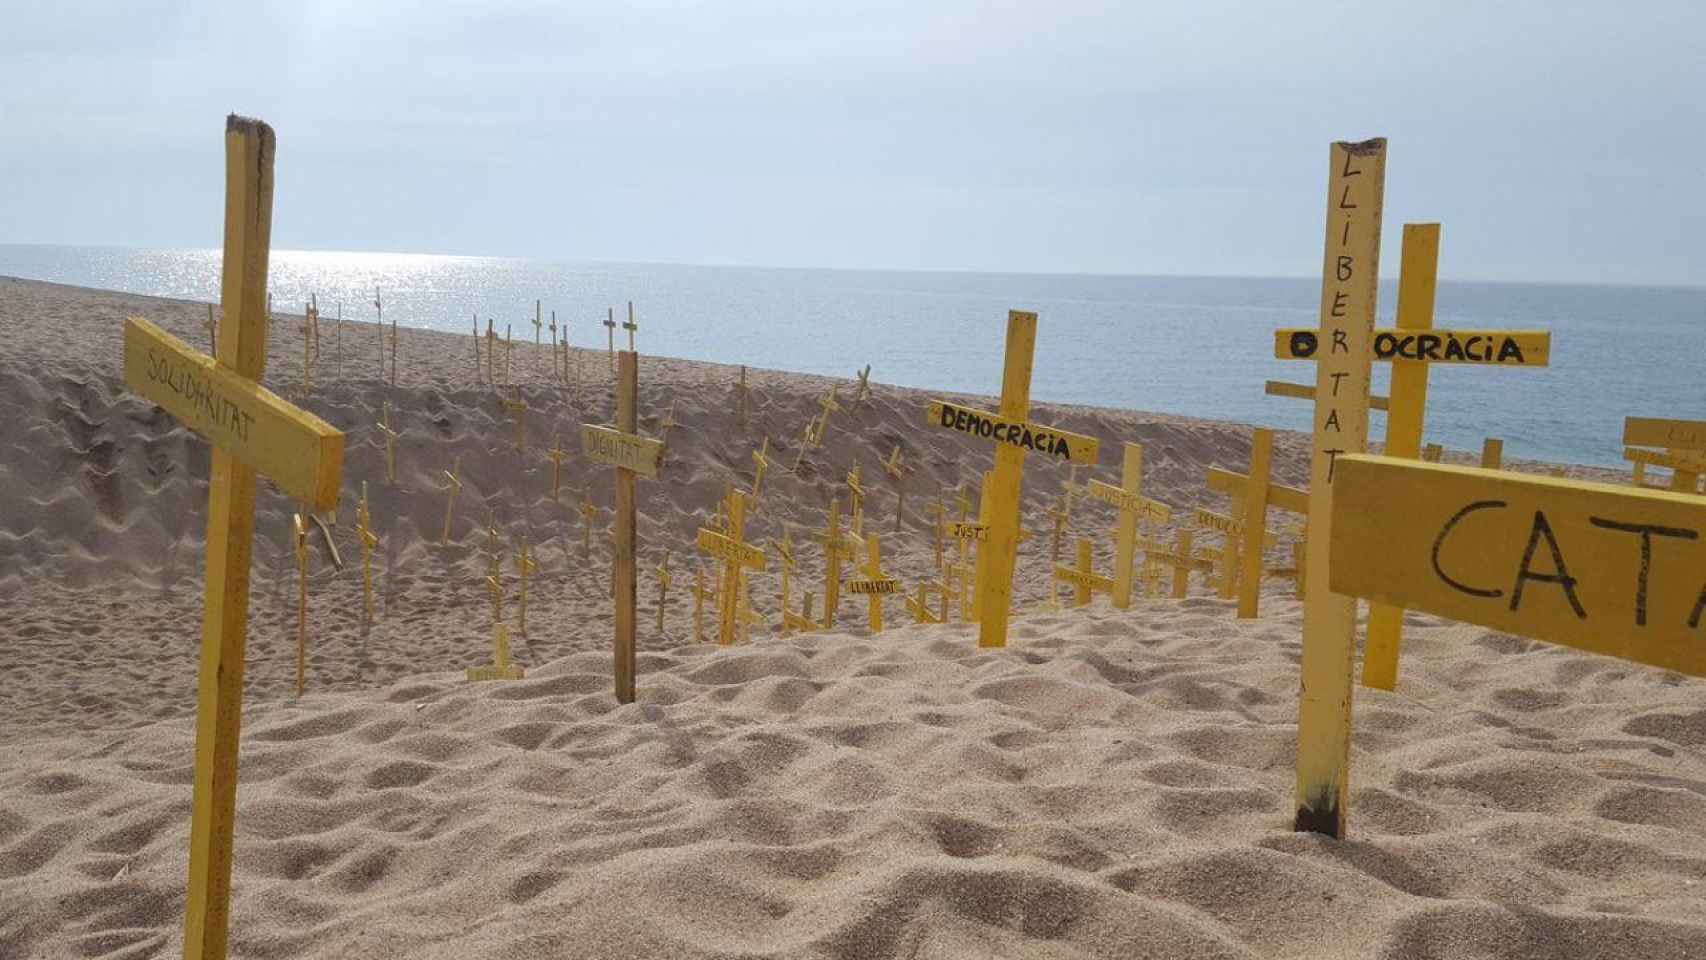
(619, 448)
(1016, 432)
(1500, 348)
(1670, 434)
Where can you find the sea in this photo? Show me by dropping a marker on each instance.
(1197, 346)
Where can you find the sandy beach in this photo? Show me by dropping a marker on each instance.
(1112, 784)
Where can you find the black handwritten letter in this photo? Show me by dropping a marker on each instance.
(1560, 574)
(1340, 344)
(1338, 304)
(1439, 542)
(1345, 267)
(1646, 532)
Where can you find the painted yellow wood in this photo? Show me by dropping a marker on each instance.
(919, 606)
(1254, 516)
(968, 531)
(836, 546)
(525, 566)
(556, 455)
(1671, 460)
(730, 550)
(897, 472)
(619, 446)
(241, 350)
(1303, 391)
(1083, 579)
(1599, 567)
(863, 391)
(622, 449)
(518, 409)
(588, 513)
(1280, 496)
(302, 454)
(452, 487)
(501, 668)
(610, 331)
(1670, 434)
(876, 584)
(632, 326)
(390, 435)
(856, 500)
(1350, 275)
(212, 332)
(1182, 564)
(830, 404)
(662, 571)
(1500, 348)
(1417, 282)
(760, 466)
(735, 555)
(1014, 432)
(538, 323)
(301, 533)
(1433, 452)
(1128, 498)
(1492, 453)
(699, 594)
(368, 539)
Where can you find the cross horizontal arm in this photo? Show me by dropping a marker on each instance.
(1061, 444)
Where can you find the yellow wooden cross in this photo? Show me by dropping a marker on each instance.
(1061, 514)
(1181, 559)
(524, 567)
(631, 454)
(491, 354)
(1432, 453)
(368, 540)
(301, 532)
(731, 548)
(1013, 437)
(453, 486)
(1668, 434)
(632, 326)
(557, 372)
(610, 329)
(875, 585)
(919, 606)
(745, 614)
(501, 668)
(588, 511)
(1685, 468)
(1231, 570)
(662, 570)
(856, 502)
(805, 443)
(760, 464)
(938, 513)
(1351, 271)
(1254, 493)
(830, 405)
(1609, 569)
(836, 547)
(863, 392)
(250, 430)
(518, 407)
(538, 324)
(390, 435)
(897, 472)
(1083, 578)
(668, 422)
(556, 455)
(1128, 499)
(791, 621)
(212, 332)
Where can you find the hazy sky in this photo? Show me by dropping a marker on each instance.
(1554, 140)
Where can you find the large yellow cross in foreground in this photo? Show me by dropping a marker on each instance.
(251, 430)
(1013, 436)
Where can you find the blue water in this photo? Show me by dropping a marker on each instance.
(1189, 345)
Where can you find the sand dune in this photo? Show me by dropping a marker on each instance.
(1114, 784)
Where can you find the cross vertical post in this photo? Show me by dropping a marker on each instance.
(1255, 517)
(1128, 498)
(452, 486)
(1350, 282)
(1492, 453)
(631, 326)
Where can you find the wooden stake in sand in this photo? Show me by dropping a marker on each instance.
(1013, 437)
(856, 501)
(876, 584)
(476, 345)
(390, 435)
(518, 408)
(491, 353)
(836, 547)
(805, 444)
(760, 464)
(1432, 453)
(632, 326)
(301, 532)
(938, 520)
(863, 392)
(667, 423)
(700, 594)
(830, 404)
(556, 455)
(1133, 506)
(368, 539)
(791, 621)
(452, 486)
(897, 472)
(610, 329)
(736, 555)
(662, 570)
(624, 448)
(509, 350)
(1492, 453)
(525, 567)
(1351, 270)
(1599, 567)
(212, 332)
(588, 512)
(501, 668)
(310, 321)
(1685, 468)
(538, 324)
(250, 430)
